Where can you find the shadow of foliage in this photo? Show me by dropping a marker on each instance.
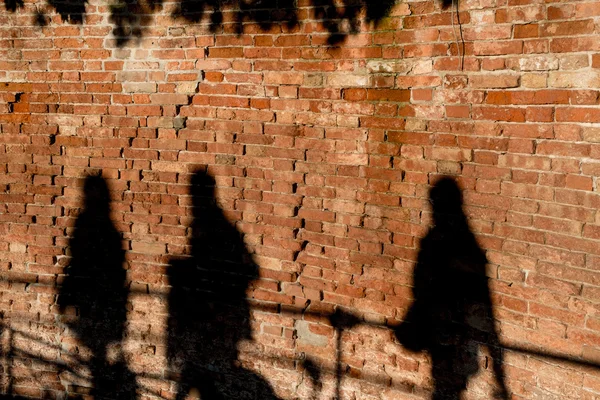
(12, 5)
(72, 11)
(448, 3)
(40, 19)
(131, 17)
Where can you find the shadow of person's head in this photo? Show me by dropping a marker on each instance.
(202, 189)
(446, 201)
(96, 195)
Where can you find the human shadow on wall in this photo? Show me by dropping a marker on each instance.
(209, 313)
(451, 316)
(93, 296)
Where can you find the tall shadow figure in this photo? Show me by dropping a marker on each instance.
(209, 313)
(94, 293)
(451, 316)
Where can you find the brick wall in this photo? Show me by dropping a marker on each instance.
(232, 199)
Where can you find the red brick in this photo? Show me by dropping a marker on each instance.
(323, 158)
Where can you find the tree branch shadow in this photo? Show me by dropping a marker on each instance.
(131, 18)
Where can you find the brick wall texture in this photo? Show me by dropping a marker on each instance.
(233, 199)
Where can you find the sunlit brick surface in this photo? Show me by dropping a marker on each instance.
(324, 136)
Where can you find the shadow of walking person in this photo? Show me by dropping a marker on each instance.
(451, 316)
(93, 296)
(209, 313)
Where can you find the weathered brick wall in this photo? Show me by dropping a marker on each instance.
(322, 129)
